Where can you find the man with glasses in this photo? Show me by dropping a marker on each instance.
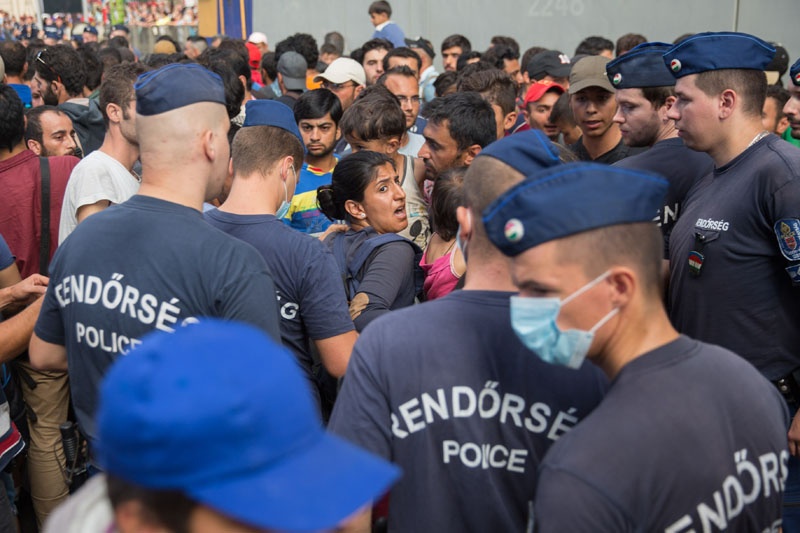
(345, 78)
(401, 82)
(60, 78)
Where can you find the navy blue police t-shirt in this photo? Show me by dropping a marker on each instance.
(309, 288)
(689, 438)
(735, 255)
(138, 266)
(447, 391)
(681, 166)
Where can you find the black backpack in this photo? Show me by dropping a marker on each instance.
(351, 271)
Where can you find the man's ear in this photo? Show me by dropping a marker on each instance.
(728, 101)
(209, 149)
(114, 113)
(510, 120)
(464, 218)
(34, 146)
(471, 153)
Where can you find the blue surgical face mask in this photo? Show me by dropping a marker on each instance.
(284, 207)
(462, 244)
(534, 322)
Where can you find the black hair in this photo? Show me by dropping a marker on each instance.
(316, 104)
(351, 176)
(445, 82)
(12, 127)
(375, 114)
(269, 64)
(62, 62)
(628, 42)
(235, 52)
(171, 509)
(380, 6)
(562, 111)
(376, 44)
(119, 41)
(446, 197)
(110, 56)
(401, 70)
(336, 39)
(504, 40)
(328, 48)
(780, 95)
(470, 118)
(594, 46)
(94, 67)
(528, 55)
(457, 40)
(463, 59)
(657, 96)
(217, 61)
(13, 55)
(402, 52)
(302, 43)
(498, 54)
(494, 85)
(126, 54)
(170, 39)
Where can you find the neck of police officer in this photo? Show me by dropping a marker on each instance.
(640, 326)
(255, 194)
(737, 133)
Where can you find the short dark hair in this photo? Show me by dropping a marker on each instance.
(457, 40)
(495, 86)
(402, 51)
(472, 68)
(470, 118)
(328, 48)
(463, 59)
(234, 90)
(446, 197)
(504, 40)
(445, 82)
(117, 86)
(377, 44)
(110, 56)
(375, 114)
(269, 64)
(12, 127)
(302, 43)
(235, 53)
(13, 55)
(657, 96)
(380, 6)
(351, 176)
(168, 508)
(780, 95)
(257, 148)
(400, 70)
(498, 54)
(316, 104)
(64, 62)
(628, 42)
(336, 39)
(750, 85)
(33, 124)
(118, 41)
(94, 67)
(594, 46)
(562, 111)
(528, 55)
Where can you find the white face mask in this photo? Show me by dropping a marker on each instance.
(534, 322)
(284, 207)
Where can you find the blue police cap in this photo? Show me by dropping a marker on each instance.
(642, 66)
(526, 151)
(175, 86)
(570, 199)
(715, 51)
(90, 29)
(794, 73)
(271, 113)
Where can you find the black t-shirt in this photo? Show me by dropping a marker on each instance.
(620, 151)
(681, 166)
(447, 391)
(689, 438)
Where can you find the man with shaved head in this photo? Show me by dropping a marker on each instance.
(152, 262)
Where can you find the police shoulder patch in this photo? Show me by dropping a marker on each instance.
(787, 230)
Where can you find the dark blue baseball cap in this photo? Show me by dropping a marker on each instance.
(220, 412)
(527, 151)
(271, 113)
(642, 66)
(794, 73)
(570, 199)
(176, 85)
(718, 50)
(90, 29)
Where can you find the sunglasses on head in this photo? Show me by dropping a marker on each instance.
(51, 69)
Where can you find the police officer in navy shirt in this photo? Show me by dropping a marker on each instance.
(735, 251)
(689, 437)
(645, 90)
(152, 263)
(267, 156)
(446, 391)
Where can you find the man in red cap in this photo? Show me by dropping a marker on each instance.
(538, 104)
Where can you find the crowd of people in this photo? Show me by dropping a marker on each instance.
(256, 287)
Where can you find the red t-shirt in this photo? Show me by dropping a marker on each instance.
(21, 205)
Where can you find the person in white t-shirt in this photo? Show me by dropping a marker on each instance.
(106, 176)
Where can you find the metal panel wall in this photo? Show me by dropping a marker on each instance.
(559, 24)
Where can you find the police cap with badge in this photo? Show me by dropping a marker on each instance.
(641, 67)
(718, 50)
(794, 73)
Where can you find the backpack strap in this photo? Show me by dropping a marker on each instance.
(44, 242)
